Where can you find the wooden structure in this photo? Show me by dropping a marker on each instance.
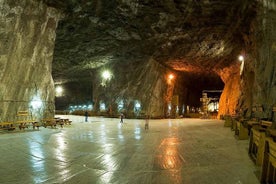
(7, 126)
(24, 118)
(241, 131)
(53, 122)
(268, 171)
(258, 132)
(228, 121)
(256, 145)
(49, 122)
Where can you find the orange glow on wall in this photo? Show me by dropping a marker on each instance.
(171, 76)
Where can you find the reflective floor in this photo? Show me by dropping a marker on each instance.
(102, 151)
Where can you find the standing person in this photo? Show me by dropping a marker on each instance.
(86, 116)
(122, 118)
(147, 123)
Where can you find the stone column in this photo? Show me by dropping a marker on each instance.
(229, 98)
(144, 82)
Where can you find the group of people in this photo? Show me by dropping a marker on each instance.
(122, 119)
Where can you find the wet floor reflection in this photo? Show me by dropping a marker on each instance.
(137, 132)
(120, 132)
(108, 162)
(37, 157)
(106, 177)
(168, 158)
(103, 134)
(169, 123)
(107, 152)
(60, 149)
(61, 156)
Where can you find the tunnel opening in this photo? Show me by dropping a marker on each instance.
(190, 88)
(74, 95)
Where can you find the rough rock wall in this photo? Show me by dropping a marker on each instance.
(230, 96)
(27, 36)
(145, 83)
(259, 79)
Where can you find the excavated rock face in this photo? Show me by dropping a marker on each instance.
(197, 40)
(27, 35)
(259, 76)
(191, 36)
(141, 43)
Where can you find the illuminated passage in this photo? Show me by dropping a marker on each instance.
(105, 151)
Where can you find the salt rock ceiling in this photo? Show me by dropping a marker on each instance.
(184, 35)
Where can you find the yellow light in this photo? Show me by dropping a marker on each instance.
(171, 76)
(241, 58)
(59, 90)
(106, 75)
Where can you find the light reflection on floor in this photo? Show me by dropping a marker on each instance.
(104, 151)
(37, 158)
(137, 133)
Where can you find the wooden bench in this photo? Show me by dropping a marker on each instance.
(241, 131)
(53, 122)
(265, 124)
(257, 144)
(234, 125)
(63, 121)
(268, 170)
(252, 123)
(228, 121)
(7, 126)
(49, 122)
(67, 121)
(24, 119)
(25, 124)
(60, 121)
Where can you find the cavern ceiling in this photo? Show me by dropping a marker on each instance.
(185, 35)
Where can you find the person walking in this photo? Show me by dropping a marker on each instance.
(147, 122)
(86, 116)
(122, 118)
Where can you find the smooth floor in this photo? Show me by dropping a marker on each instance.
(103, 151)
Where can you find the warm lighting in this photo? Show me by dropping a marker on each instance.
(59, 91)
(241, 58)
(171, 76)
(106, 75)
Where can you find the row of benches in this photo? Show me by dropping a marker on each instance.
(262, 150)
(262, 144)
(52, 122)
(24, 120)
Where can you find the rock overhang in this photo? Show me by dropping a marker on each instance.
(189, 36)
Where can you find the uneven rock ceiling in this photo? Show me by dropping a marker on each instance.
(185, 35)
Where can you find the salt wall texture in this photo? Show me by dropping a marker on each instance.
(27, 36)
(232, 90)
(145, 83)
(259, 77)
